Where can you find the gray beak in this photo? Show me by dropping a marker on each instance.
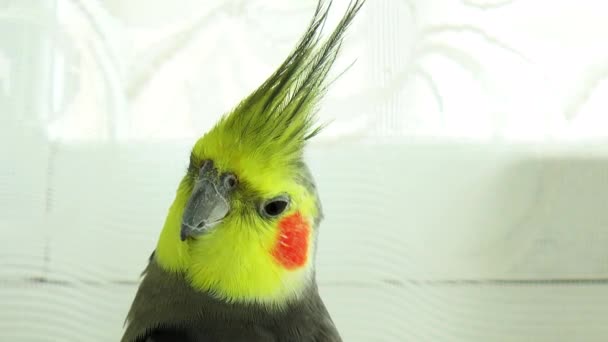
(207, 205)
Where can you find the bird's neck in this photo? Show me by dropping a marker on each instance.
(168, 299)
(246, 273)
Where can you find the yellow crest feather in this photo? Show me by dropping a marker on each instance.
(262, 142)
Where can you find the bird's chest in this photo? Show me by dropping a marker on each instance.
(294, 327)
(245, 331)
(231, 332)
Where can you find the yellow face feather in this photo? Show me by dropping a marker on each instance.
(249, 257)
(234, 261)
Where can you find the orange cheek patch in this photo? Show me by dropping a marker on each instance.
(291, 248)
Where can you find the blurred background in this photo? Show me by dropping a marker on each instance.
(464, 174)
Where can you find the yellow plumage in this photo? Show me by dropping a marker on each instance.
(235, 262)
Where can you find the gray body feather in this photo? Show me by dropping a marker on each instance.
(167, 308)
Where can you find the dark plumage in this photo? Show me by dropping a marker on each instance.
(167, 308)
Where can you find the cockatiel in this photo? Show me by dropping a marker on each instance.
(235, 258)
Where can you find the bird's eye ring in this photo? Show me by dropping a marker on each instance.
(275, 206)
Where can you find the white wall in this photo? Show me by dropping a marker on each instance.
(464, 177)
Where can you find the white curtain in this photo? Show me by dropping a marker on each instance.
(158, 70)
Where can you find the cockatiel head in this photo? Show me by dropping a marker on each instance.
(244, 222)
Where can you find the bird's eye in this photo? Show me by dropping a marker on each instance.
(230, 181)
(275, 206)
